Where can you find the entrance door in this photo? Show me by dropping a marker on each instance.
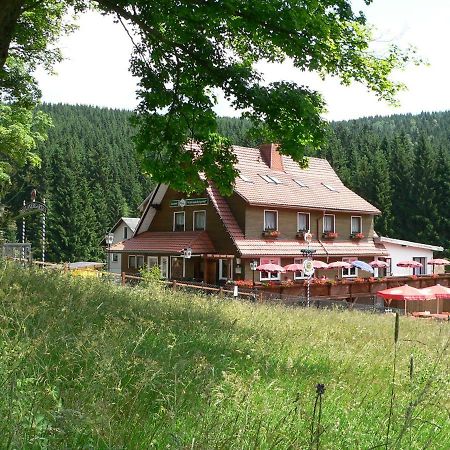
(211, 273)
(176, 267)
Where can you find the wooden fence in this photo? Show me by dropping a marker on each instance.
(361, 300)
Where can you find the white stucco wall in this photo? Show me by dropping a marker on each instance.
(115, 267)
(400, 253)
(118, 233)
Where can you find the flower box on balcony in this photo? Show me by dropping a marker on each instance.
(357, 236)
(270, 233)
(330, 235)
(301, 234)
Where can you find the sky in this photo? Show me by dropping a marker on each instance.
(95, 69)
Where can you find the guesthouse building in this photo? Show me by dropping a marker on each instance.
(212, 238)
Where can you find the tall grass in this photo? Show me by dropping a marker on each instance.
(89, 364)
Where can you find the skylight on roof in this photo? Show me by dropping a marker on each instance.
(300, 183)
(330, 188)
(267, 178)
(275, 179)
(245, 178)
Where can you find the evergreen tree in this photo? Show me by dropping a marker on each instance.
(383, 193)
(402, 182)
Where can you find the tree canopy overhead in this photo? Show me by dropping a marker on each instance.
(184, 50)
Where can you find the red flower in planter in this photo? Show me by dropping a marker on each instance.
(271, 233)
(244, 283)
(330, 235)
(357, 236)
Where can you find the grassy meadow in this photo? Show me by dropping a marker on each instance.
(87, 364)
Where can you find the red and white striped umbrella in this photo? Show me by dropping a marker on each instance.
(437, 291)
(438, 262)
(379, 264)
(319, 264)
(293, 268)
(339, 265)
(413, 264)
(404, 292)
(270, 268)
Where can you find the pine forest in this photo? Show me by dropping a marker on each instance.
(90, 175)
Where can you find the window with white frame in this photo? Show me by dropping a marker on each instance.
(199, 220)
(164, 267)
(303, 221)
(125, 232)
(139, 261)
(299, 275)
(420, 270)
(115, 257)
(267, 276)
(328, 223)
(356, 226)
(132, 262)
(178, 221)
(152, 261)
(224, 269)
(270, 220)
(353, 271)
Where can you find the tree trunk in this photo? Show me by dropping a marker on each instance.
(10, 11)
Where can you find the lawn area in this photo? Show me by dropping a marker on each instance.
(88, 364)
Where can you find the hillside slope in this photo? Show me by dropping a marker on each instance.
(91, 175)
(87, 364)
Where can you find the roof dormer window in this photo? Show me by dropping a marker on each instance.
(329, 187)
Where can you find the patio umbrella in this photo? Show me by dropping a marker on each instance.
(293, 268)
(362, 265)
(379, 264)
(405, 293)
(339, 265)
(412, 264)
(438, 262)
(270, 268)
(319, 264)
(438, 291)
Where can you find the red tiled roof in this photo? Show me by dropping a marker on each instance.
(289, 194)
(167, 242)
(225, 214)
(279, 247)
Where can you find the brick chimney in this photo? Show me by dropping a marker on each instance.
(271, 156)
